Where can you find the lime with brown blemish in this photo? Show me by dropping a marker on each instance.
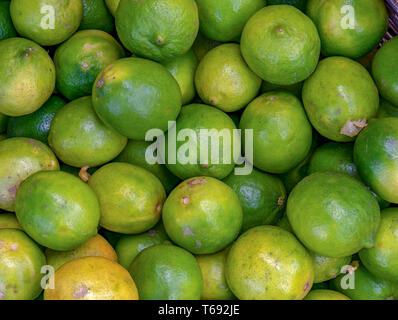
(207, 126)
(131, 198)
(57, 209)
(350, 30)
(385, 70)
(9, 221)
(382, 259)
(36, 125)
(167, 272)
(333, 214)
(96, 16)
(79, 60)
(47, 22)
(223, 20)
(261, 195)
(97, 246)
(7, 29)
(92, 278)
(281, 44)
(269, 263)
(183, 69)
(282, 134)
(3, 122)
(157, 29)
(224, 80)
(79, 138)
(112, 5)
(21, 261)
(129, 246)
(136, 91)
(20, 158)
(327, 268)
(325, 295)
(27, 78)
(202, 215)
(375, 156)
(340, 97)
(215, 285)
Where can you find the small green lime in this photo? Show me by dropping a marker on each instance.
(96, 16)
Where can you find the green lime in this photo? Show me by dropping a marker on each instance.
(282, 134)
(80, 139)
(9, 221)
(131, 198)
(21, 261)
(261, 195)
(293, 88)
(136, 91)
(167, 272)
(224, 80)
(259, 266)
(57, 210)
(20, 158)
(112, 5)
(7, 29)
(202, 215)
(326, 268)
(183, 69)
(202, 45)
(339, 98)
(79, 60)
(387, 110)
(96, 16)
(325, 295)
(385, 70)
(27, 78)
(157, 29)
(351, 29)
(37, 124)
(223, 20)
(333, 214)
(281, 44)
(47, 22)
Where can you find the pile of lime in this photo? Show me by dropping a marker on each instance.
(198, 149)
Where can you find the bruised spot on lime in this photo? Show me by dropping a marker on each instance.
(100, 83)
(197, 181)
(80, 292)
(83, 174)
(185, 200)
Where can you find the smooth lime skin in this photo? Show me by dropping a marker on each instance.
(215, 285)
(20, 158)
(367, 286)
(281, 44)
(224, 80)
(21, 261)
(157, 29)
(382, 260)
(268, 263)
(340, 39)
(27, 76)
(261, 195)
(37, 124)
(30, 16)
(333, 214)
(299, 4)
(3, 122)
(96, 16)
(202, 215)
(79, 60)
(57, 209)
(326, 268)
(9, 221)
(167, 272)
(183, 69)
(136, 91)
(326, 295)
(7, 29)
(112, 5)
(340, 90)
(223, 20)
(131, 198)
(333, 156)
(386, 110)
(385, 69)
(80, 139)
(375, 156)
(129, 246)
(199, 117)
(135, 153)
(282, 134)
